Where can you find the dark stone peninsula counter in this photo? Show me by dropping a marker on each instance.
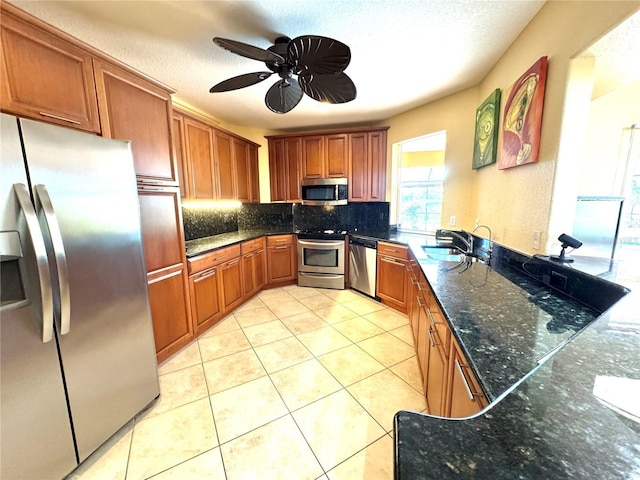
(561, 369)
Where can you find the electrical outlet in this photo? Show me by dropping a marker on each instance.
(536, 240)
(452, 221)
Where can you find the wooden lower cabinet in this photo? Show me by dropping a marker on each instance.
(231, 285)
(450, 386)
(206, 307)
(281, 259)
(169, 311)
(465, 394)
(253, 267)
(392, 276)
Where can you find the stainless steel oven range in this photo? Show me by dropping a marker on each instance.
(321, 258)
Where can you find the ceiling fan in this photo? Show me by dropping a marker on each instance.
(318, 62)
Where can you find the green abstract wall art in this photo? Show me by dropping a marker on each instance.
(485, 142)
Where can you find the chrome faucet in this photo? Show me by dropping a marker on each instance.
(490, 249)
(468, 242)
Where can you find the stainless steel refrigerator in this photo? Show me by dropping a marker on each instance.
(77, 348)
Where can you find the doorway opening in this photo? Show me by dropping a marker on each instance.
(420, 177)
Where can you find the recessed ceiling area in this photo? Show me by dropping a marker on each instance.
(403, 54)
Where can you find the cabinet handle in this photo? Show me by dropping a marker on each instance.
(433, 343)
(420, 304)
(389, 260)
(433, 322)
(280, 248)
(150, 189)
(249, 255)
(414, 282)
(471, 394)
(207, 273)
(68, 120)
(232, 262)
(220, 257)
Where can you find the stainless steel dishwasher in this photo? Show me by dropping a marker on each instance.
(362, 265)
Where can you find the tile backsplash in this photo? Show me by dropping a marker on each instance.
(208, 221)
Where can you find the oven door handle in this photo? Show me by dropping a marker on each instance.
(321, 243)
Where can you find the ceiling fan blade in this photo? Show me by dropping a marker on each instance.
(334, 88)
(321, 55)
(248, 51)
(283, 96)
(240, 81)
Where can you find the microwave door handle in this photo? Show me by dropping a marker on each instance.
(44, 205)
(42, 262)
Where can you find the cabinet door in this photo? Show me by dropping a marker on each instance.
(313, 156)
(224, 167)
(179, 154)
(162, 233)
(377, 166)
(259, 269)
(392, 282)
(336, 155)
(254, 174)
(199, 154)
(231, 284)
(205, 302)
(436, 384)
(45, 77)
(358, 167)
(277, 170)
(465, 396)
(422, 339)
(134, 109)
(248, 275)
(293, 177)
(281, 264)
(169, 310)
(240, 151)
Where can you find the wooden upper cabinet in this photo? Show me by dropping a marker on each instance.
(199, 154)
(337, 156)
(358, 167)
(44, 76)
(184, 177)
(377, 175)
(241, 164)
(254, 173)
(324, 156)
(367, 166)
(132, 108)
(224, 166)
(313, 156)
(285, 162)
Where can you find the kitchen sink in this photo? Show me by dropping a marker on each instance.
(443, 254)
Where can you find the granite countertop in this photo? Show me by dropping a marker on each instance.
(546, 420)
(207, 244)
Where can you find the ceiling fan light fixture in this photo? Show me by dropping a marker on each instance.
(319, 63)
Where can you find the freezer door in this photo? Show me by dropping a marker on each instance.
(85, 190)
(35, 428)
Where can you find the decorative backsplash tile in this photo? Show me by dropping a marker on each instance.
(203, 222)
(200, 222)
(259, 215)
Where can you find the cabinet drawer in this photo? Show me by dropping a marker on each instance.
(252, 245)
(393, 250)
(280, 240)
(207, 260)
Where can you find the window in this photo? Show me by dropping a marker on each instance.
(421, 173)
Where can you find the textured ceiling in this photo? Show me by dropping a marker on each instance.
(404, 53)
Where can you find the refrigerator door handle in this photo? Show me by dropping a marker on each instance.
(42, 262)
(44, 205)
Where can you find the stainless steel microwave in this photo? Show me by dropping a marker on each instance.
(325, 191)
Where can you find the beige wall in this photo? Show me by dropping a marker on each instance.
(518, 201)
(605, 152)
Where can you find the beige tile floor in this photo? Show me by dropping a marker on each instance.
(299, 383)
